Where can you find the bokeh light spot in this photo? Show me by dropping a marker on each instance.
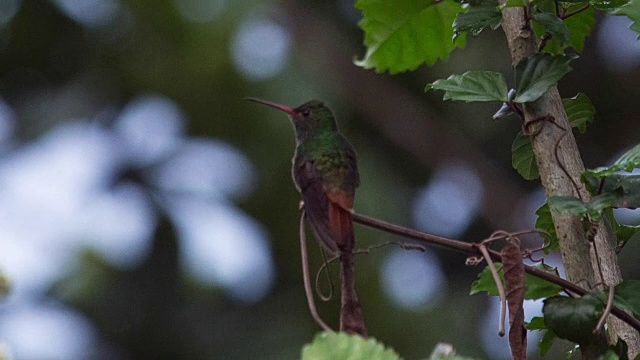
(91, 13)
(413, 280)
(447, 205)
(200, 11)
(618, 44)
(34, 332)
(8, 9)
(222, 246)
(118, 224)
(260, 48)
(151, 127)
(206, 167)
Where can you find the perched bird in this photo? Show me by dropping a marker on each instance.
(325, 171)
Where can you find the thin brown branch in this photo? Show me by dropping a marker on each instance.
(324, 269)
(472, 249)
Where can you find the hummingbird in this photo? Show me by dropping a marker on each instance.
(325, 172)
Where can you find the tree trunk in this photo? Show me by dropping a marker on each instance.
(551, 139)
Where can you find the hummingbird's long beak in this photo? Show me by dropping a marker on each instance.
(280, 107)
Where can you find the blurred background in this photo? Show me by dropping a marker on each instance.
(147, 211)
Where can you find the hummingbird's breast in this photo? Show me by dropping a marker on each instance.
(331, 162)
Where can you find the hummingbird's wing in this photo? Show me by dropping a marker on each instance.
(327, 208)
(316, 204)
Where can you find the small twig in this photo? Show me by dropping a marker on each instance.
(543, 41)
(590, 237)
(404, 246)
(557, 6)
(515, 108)
(583, 8)
(496, 277)
(307, 278)
(607, 309)
(325, 267)
(563, 168)
(526, 127)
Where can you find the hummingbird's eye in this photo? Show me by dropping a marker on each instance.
(306, 112)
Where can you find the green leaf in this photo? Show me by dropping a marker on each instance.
(330, 345)
(522, 157)
(568, 205)
(472, 86)
(401, 35)
(623, 191)
(619, 350)
(535, 288)
(579, 27)
(537, 73)
(580, 111)
(544, 222)
(484, 282)
(627, 162)
(477, 18)
(628, 292)
(623, 232)
(610, 355)
(632, 10)
(573, 319)
(598, 204)
(554, 26)
(546, 342)
(536, 323)
(573, 206)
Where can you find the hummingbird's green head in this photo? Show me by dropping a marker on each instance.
(309, 119)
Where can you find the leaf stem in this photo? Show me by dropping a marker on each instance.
(496, 279)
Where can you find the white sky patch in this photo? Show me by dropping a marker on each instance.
(447, 205)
